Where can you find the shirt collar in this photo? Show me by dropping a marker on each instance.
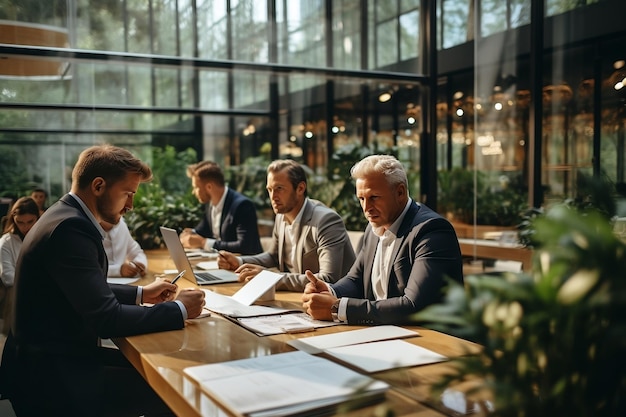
(220, 205)
(89, 214)
(298, 218)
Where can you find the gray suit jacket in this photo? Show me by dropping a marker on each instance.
(426, 252)
(323, 247)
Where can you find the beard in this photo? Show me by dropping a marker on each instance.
(104, 205)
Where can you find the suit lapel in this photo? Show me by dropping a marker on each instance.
(305, 225)
(225, 210)
(369, 250)
(280, 220)
(403, 230)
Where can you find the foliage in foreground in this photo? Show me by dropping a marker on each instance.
(554, 341)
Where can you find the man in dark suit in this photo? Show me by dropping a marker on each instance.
(63, 303)
(307, 234)
(230, 221)
(408, 252)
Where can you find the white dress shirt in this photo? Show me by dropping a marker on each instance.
(10, 245)
(120, 247)
(215, 212)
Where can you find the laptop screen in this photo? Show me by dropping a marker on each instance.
(177, 253)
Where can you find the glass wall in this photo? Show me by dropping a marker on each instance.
(485, 130)
(239, 79)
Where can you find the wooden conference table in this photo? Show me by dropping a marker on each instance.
(161, 357)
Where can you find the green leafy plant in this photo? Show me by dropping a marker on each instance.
(167, 200)
(500, 205)
(250, 179)
(553, 341)
(592, 194)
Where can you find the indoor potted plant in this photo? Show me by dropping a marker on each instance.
(553, 340)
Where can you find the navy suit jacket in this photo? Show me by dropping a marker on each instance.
(63, 302)
(426, 252)
(239, 230)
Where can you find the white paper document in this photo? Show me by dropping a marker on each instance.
(317, 344)
(282, 384)
(126, 281)
(256, 287)
(283, 323)
(227, 306)
(208, 265)
(384, 355)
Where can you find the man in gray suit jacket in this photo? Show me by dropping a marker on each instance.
(407, 253)
(307, 235)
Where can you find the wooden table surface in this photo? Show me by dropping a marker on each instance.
(161, 357)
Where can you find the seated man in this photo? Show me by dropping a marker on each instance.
(125, 256)
(63, 303)
(307, 234)
(408, 251)
(230, 221)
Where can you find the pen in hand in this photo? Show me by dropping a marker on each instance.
(179, 276)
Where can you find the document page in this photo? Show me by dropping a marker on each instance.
(227, 306)
(283, 323)
(384, 355)
(282, 384)
(317, 344)
(256, 287)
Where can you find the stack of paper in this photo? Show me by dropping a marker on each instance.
(372, 349)
(278, 385)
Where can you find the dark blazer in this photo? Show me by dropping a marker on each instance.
(239, 229)
(63, 304)
(323, 247)
(426, 251)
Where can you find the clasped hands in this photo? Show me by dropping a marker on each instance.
(317, 298)
(161, 291)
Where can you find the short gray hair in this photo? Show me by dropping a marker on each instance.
(387, 165)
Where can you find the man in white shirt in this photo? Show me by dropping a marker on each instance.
(125, 256)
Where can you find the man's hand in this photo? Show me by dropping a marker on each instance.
(132, 269)
(159, 291)
(317, 305)
(191, 239)
(193, 300)
(226, 260)
(317, 298)
(315, 285)
(248, 271)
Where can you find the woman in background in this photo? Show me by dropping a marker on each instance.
(21, 218)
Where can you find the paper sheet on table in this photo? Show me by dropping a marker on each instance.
(120, 280)
(317, 344)
(256, 287)
(208, 265)
(291, 383)
(227, 306)
(283, 323)
(384, 355)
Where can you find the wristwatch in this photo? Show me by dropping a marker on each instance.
(334, 311)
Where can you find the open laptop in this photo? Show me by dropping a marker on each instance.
(178, 255)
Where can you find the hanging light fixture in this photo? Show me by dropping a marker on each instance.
(385, 96)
